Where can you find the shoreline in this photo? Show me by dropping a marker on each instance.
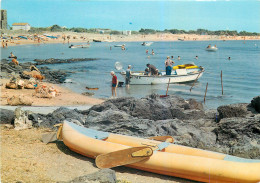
(88, 37)
(66, 98)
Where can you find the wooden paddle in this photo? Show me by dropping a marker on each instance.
(166, 90)
(163, 138)
(123, 157)
(53, 136)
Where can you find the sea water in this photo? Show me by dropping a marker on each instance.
(241, 74)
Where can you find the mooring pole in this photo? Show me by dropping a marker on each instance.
(205, 93)
(221, 82)
(195, 81)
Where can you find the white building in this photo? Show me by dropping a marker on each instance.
(21, 26)
(127, 32)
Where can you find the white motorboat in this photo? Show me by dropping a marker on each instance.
(212, 48)
(177, 76)
(119, 45)
(147, 44)
(80, 46)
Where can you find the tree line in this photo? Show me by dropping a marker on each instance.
(57, 28)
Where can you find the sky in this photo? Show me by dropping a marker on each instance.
(133, 15)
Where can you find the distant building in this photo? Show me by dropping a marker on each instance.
(21, 26)
(127, 32)
(3, 19)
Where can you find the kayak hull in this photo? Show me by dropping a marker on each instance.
(185, 162)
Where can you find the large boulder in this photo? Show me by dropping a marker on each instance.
(7, 116)
(232, 110)
(255, 103)
(21, 120)
(19, 100)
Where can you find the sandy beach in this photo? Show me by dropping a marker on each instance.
(26, 159)
(88, 37)
(65, 98)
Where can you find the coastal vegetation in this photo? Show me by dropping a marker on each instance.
(57, 28)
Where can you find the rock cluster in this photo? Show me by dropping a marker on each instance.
(58, 61)
(231, 129)
(53, 76)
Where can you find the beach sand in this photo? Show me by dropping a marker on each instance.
(24, 158)
(88, 37)
(66, 97)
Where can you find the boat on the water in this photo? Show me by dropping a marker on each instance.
(180, 74)
(96, 40)
(211, 48)
(119, 45)
(80, 46)
(147, 43)
(166, 158)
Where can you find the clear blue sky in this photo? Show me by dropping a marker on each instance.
(188, 15)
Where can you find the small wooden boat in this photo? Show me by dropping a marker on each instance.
(80, 46)
(119, 45)
(159, 156)
(91, 88)
(147, 43)
(179, 75)
(96, 40)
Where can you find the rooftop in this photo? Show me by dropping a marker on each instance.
(20, 24)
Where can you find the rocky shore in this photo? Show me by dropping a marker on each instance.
(9, 69)
(232, 129)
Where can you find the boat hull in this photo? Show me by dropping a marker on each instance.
(212, 49)
(185, 162)
(153, 80)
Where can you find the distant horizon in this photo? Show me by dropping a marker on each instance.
(212, 15)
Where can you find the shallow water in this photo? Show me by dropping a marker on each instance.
(241, 74)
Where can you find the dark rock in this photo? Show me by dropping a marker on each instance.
(255, 103)
(59, 61)
(232, 110)
(7, 116)
(102, 176)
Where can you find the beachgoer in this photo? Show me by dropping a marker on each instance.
(172, 57)
(6, 44)
(152, 69)
(168, 65)
(12, 55)
(152, 52)
(179, 57)
(15, 61)
(3, 43)
(209, 46)
(127, 76)
(196, 57)
(123, 47)
(215, 46)
(146, 51)
(146, 71)
(114, 83)
(229, 58)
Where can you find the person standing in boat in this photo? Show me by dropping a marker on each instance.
(152, 70)
(168, 65)
(114, 83)
(127, 76)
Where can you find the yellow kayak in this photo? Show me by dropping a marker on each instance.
(167, 158)
(185, 66)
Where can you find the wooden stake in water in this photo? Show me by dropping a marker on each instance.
(221, 82)
(205, 93)
(195, 81)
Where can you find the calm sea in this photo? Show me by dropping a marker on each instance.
(241, 74)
